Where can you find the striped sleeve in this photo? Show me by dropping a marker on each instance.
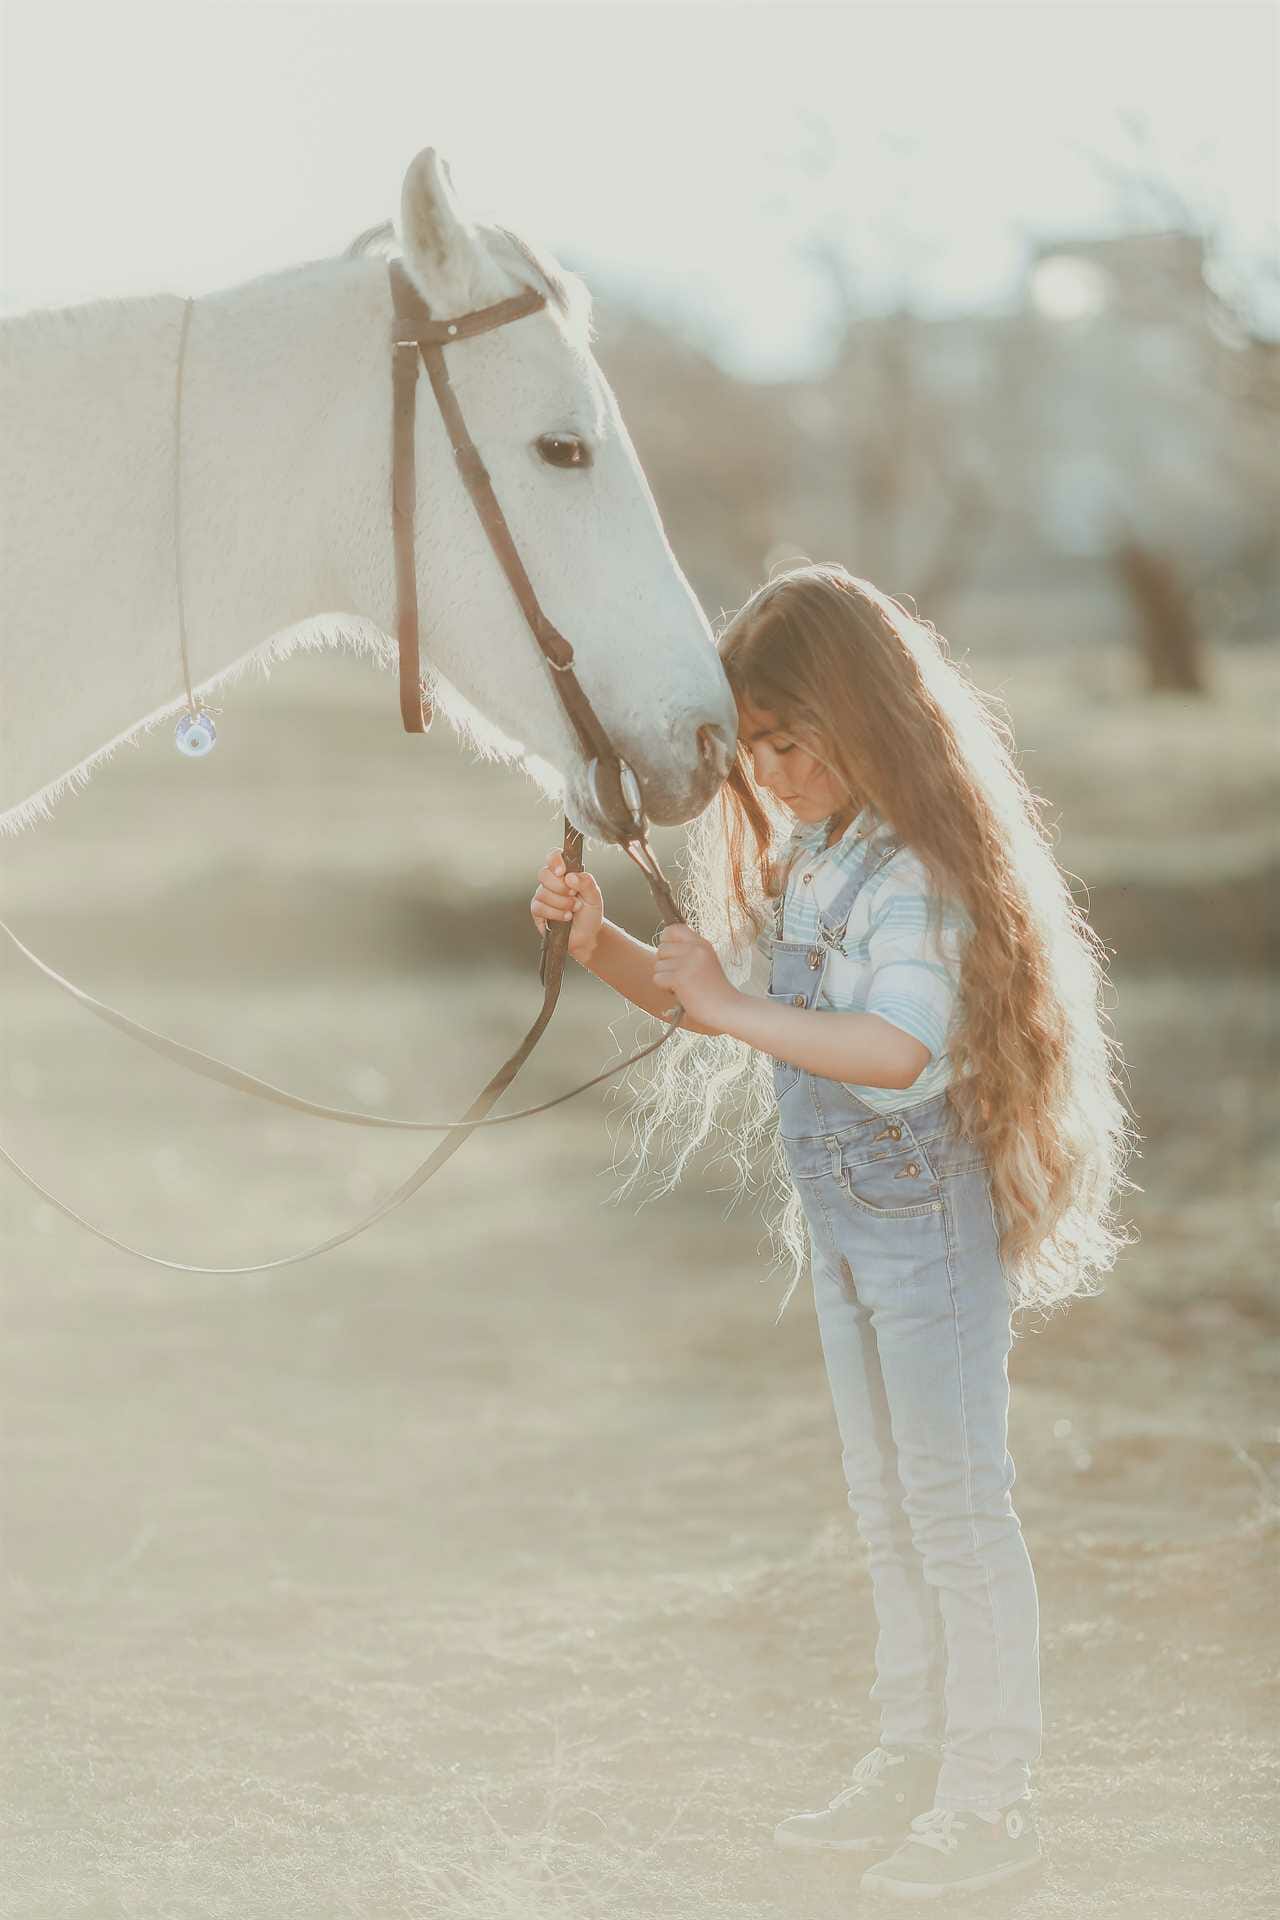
(915, 978)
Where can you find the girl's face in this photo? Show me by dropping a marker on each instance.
(786, 767)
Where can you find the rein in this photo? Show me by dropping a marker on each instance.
(416, 335)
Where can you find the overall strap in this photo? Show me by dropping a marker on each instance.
(876, 853)
(788, 855)
(834, 919)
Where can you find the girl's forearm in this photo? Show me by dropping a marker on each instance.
(627, 964)
(859, 1049)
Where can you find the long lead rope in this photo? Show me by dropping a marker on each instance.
(555, 946)
(208, 1067)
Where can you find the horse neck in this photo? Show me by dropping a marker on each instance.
(285, 447)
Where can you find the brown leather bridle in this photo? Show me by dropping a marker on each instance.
(415, 333)
(418, 335)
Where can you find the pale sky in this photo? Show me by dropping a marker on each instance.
(187, 147)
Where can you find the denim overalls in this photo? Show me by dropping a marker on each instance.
(913, 1313)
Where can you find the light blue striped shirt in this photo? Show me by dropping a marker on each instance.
(891, 962)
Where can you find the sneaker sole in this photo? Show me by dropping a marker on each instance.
(803, 1845)
(929, 1890)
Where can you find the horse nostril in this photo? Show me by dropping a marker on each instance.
(713, 749)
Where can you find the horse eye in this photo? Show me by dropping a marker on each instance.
(563, 450)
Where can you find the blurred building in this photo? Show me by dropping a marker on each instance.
(995, 466)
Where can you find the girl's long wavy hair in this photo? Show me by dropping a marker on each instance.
(873, 691)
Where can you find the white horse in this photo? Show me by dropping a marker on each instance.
(286, 517)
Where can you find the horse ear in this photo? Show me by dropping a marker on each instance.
(443, 253)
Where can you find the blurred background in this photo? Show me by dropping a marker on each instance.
(498, 1563)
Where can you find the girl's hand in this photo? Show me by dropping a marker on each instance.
(574, 897)
(690, 966)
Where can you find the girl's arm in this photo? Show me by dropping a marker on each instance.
(859, 1048)
(627, 965)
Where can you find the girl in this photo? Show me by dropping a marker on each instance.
(950, 1140)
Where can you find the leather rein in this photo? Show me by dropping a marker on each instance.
(416, 335)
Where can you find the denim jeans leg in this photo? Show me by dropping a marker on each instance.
(944, 1337)
(909, 1646)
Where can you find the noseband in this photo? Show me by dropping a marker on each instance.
(415, 333)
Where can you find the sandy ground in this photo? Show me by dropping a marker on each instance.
(497, 1567)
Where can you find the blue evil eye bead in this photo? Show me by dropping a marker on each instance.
(195, 734)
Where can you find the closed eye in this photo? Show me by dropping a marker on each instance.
(563, 450)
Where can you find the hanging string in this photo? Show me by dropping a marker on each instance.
(195, 733)
(187, 305)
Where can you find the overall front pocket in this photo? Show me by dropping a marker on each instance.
(888, 1178)
(872, 1194)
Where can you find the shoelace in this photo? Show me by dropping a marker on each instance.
(937, 1829)
(867, 1773)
